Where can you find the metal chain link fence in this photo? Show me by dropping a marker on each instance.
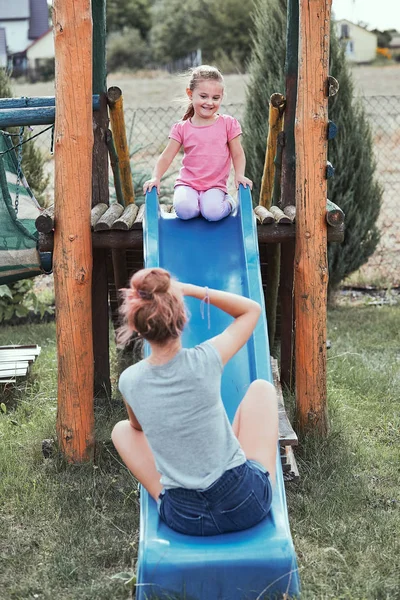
(148, 128)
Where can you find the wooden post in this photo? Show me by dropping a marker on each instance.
(73, 141)
(287, 194)
(275, 122)
(291, 67)
(100, 194)
(115, 102)
(311, 270)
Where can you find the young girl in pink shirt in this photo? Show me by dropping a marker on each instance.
(210, 142)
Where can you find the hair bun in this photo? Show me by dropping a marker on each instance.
(149, 282)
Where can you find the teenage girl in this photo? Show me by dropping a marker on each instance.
(210, 140)
(207, 476)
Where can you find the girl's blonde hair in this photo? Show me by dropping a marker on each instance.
(201, 73)
(152, 306)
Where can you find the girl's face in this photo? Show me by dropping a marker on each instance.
(206, 98)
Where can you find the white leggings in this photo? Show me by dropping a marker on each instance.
(212, 204)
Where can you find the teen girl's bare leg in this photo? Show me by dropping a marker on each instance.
(186, 202)
(214, 205)
(133, 448)
(256, 424)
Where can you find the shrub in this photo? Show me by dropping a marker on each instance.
(18, 299)
(354, 187)
(127, 50)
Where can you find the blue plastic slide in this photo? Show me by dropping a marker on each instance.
(258, 563)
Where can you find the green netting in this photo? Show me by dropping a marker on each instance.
(19, 257)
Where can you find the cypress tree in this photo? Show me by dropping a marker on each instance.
(266, 76)
(354, 187)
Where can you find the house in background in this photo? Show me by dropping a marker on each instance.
(394, 44)
(23, 22)
(40, 55)
(358, 43)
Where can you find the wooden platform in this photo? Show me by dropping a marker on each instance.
(15, 361)
(118, 227)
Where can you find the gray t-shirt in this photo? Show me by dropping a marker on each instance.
(180, 409)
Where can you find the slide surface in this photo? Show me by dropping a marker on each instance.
(258, 563)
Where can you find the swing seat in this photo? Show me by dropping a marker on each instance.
(19, 257)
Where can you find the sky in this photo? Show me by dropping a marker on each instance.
(379, 14)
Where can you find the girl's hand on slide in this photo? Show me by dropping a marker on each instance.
(150, 183)
(244, 181)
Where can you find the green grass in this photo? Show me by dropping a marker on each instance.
(345, 510)
(65, 531)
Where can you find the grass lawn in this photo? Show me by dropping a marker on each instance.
(66, 531)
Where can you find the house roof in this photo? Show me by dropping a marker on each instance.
(11, 10)
(3, 44)
(39, 18)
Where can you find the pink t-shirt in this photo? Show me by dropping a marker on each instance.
(207, 160)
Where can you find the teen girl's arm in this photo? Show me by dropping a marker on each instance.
(132, 418)
(162, 165)
(244, 311)
(239, 162)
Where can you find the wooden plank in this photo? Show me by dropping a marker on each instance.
(311, 268)
(287, 435)
(13, 357)
(267, 234)
(14, 372)
(292, 473)
(20, 364)
(107, 219)
(35, 349)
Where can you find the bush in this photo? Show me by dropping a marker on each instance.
(18, 299)
(127, 50)
(43, 71)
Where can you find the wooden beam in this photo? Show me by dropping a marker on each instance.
(19, 116)
(267, 234)
(100, 195)
(311, 268)
(287, 314)
(73, 143)
(36, 102)
(275, 123)
(115, 102)
(291, 65)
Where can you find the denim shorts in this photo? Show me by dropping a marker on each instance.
(239, 499)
